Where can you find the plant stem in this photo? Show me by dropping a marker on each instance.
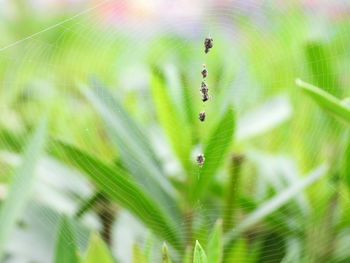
(188, 221)
(232, 192)
(106, 211)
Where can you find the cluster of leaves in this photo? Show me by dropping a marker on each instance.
(139, 185)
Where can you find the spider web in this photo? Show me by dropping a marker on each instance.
(41, 68)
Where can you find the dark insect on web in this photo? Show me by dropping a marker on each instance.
(205, 97)
(204, 88)
(204, 72)
(208, 44)
(202, 116)
(200, 160)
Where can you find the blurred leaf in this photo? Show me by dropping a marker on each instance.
(165, 254)
(98, 251)
(66, 248)
(133, 146)
(215, 246)
(22, 185)
(199, 255)
(137, 255)
(215, 151)
(147, 251)
(320, 63)
(238, 253)
(346, 164)
(264, 118)
(116, 184)
(88, 204)
(177, 130)
(188, 255)
(273, 204)
(326, 101)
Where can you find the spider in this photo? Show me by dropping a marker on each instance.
(208, 44)
(204, 88)
(200, 160)
(205, 97)
(202, 116)
(204, 72)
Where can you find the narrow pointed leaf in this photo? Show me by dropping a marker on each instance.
(98, 251)
(66, 248)
(199, 255)
(165, 254)
(177, 130)
(327, 101)
(215, 246)
(21, 187)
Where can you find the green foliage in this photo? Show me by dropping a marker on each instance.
(326, 101)
(22, 185)
(137, 255)
(273, 204)
(66, 248)
(165, 254)
(115, 183)
(199, 255)
(106, 140)
(215, 151)
(215, 244)
(321, 66)
(98, 251)
(133, 146)
(175, 127)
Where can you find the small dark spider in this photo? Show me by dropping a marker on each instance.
(208, 44)
(204, 88)
(205, 97)
(200, 160)
(204, 72)
(202, 116)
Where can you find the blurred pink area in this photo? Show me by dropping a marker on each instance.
(174, 12)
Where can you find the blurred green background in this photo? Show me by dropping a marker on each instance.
(99, 104)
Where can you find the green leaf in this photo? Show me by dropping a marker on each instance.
(177, 130)
(165, 254)
(215, 246)
(345, 164)
(273, 204)
(133, 146)
(238, 253)
(199, 255)
(21, 187)
(66, 248)
(137, 255)
(98, 251)
(148, 247)
(188, 255)
(321, 68)
(327, 101)
(87, 204)
(116, 185)
(215, 151)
